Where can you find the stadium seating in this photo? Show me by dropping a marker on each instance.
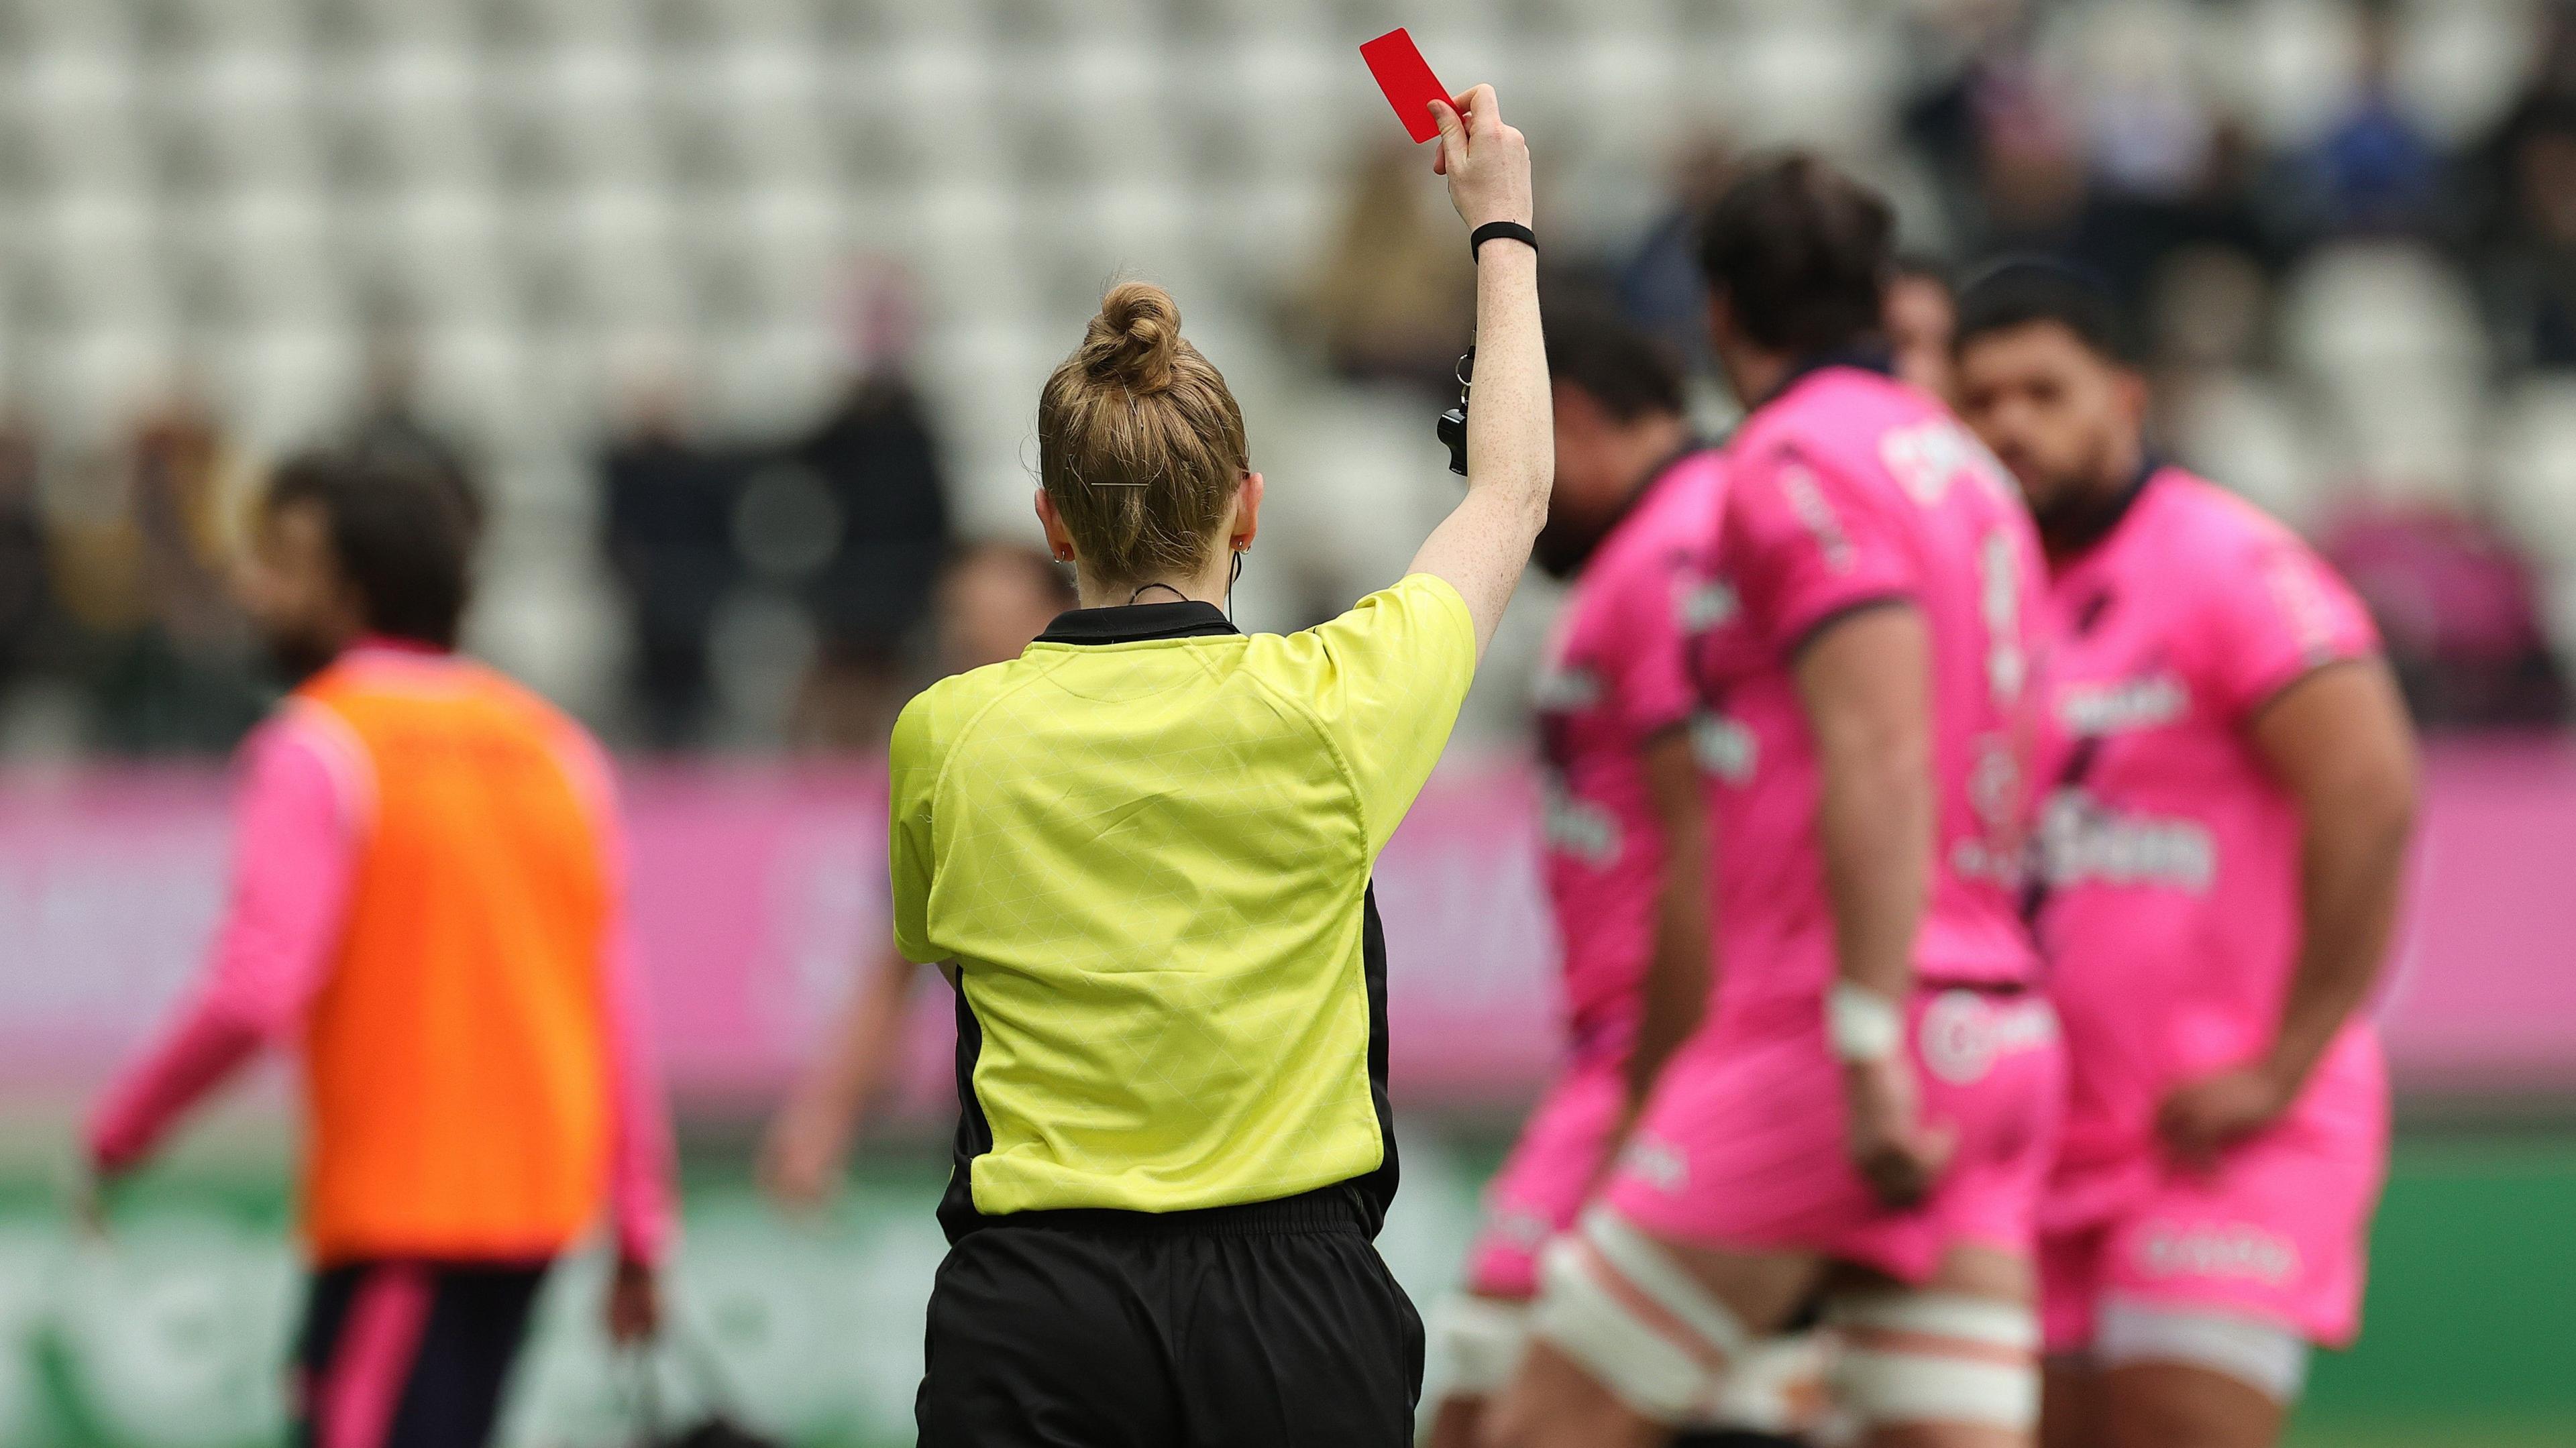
(233, 193)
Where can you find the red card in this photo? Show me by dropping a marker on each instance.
(1407, 80)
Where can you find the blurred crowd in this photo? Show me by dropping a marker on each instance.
(2356, 298)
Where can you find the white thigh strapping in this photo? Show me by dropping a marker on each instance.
(1617, 1303)
(1482, 1339)
(1936, 1357)
(2267, 1356)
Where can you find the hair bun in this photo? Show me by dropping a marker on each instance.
(1134, 339)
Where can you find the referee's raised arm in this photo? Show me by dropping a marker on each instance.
(1482, 546)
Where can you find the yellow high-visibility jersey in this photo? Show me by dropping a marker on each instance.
(1145, 846)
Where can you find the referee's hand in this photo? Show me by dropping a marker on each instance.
(1487, 162)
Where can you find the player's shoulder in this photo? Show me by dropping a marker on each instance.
(2214, 523)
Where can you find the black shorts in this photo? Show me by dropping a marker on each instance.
(1270, 1326)
(409, 1354)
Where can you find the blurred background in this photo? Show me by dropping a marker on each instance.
(734, 313)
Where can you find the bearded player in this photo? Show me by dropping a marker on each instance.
(1626, 852)
(2233, 780)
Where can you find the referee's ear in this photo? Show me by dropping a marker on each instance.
(1059, 538)
(1247, 514)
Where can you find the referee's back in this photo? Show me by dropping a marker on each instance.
(1143, 850)
(1145, 844)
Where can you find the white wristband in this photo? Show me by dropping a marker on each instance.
(1862, 1024)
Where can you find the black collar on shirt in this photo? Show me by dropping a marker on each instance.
(1866, 357)
(1137, 622)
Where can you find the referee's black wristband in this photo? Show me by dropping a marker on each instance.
(1508, 230)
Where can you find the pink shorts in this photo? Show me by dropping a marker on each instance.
(1742, 1145)
(2277, 1230)
(1547, 1177)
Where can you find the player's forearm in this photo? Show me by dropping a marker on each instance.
(201, 1051)
(859, 1061)
(1874, 824)
(2352, 866)
(1865, 686)
(644, 1194)
(1674, 995)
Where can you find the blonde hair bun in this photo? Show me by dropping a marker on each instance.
(1133, 342)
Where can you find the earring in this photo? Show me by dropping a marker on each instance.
(1242, 545)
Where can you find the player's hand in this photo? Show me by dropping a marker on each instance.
(2202, 1118)
(1487, 162)
(1897, 1154)
(800, 1157)
(634, 1303)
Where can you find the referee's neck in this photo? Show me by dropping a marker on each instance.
(1208, 587)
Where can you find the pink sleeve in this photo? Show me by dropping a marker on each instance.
(1803, 546)
(643, 1162)
(2276, 612)
(296, 823)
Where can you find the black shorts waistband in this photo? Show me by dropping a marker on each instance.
(1326, 1209)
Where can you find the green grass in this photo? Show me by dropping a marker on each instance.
(2469, 1339)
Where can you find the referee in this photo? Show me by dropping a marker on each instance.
(1141, 852)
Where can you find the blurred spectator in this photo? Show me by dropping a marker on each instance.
(883, 503)
(24, 578)
(1394, 300)
(389, 425)
(2533, 273)
(2374, 171)
(2460, 615)
(1659, 290)
(1922, 319)
(669, 509)
(174, 663)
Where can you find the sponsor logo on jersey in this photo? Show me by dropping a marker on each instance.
(1657, 1163)
(2121, 706)
(1566, 689)
(1807, 500)
(1723, 747)
(1578, 827)
(2239, 1251)
(1926, 458)
(1962, 1034)
(1704, 604)
(2080, 841)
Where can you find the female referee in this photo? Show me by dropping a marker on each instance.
(1141, 852)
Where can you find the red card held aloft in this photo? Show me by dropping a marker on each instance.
(1407, 80)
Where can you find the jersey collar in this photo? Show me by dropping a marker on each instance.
(1863, 357)
(1137, 623)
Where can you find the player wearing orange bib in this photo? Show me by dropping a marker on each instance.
(427, 905)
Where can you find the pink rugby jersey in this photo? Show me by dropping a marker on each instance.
(1613, 677)
(2171, 859)
(1850, 489)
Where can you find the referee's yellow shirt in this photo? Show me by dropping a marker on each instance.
(1145, 844)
